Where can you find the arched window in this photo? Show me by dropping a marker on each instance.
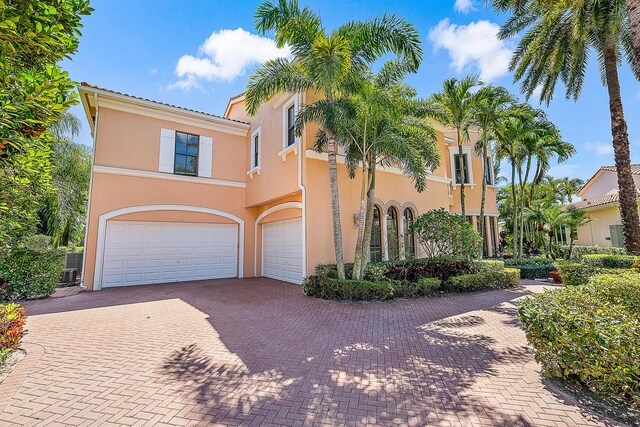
(376, 236)
(409, 237)
(393, 242)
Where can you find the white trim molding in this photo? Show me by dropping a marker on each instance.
(466, 151)
(168, 176)
(258, 133)
(293, 101)
(313, 154)
(272, 209)
(102, 231)
(293, 148)
(254, 171)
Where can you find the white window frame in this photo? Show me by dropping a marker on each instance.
(293, 148)
(491, 172)
(255, 168)
(466, 151)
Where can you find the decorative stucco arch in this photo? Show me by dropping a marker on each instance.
(102, 231)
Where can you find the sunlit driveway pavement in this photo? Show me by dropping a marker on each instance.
(258, 352)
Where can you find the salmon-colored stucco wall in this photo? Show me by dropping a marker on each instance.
(112, 192)
(132, 141)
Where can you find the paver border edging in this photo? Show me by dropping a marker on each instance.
(21, 370)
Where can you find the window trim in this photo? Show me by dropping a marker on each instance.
(291, 102)
(407, 235)
(379, 249)
(256, 162)
(389, 225)
(175, 153)
(466, 151)
(492, 182)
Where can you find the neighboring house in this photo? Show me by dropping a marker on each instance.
(180, 195)
(601, 203)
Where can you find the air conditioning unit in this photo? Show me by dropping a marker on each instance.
(69, 275)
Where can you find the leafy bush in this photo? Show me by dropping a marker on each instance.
(440, 233)
(562, 251)
(12, 320)
(439, 267)
(509, 277)
(428, 286)
(578, 274)
(30, 271)
(364, 290)
(375, 271)
(609, 261)
(590, 333)
(532, 268)
(484, 265)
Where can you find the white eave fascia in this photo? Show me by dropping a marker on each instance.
(232, 102)
(153, 109)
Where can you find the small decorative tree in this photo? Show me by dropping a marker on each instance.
(440, 233)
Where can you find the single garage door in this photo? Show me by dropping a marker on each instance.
(138, 253)
(282, 250)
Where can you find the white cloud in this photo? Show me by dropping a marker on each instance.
(154, 70)
(601, 149)
(464, 6)
(473, 47)
(225, 55)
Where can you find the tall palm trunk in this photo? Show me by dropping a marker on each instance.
(633, 10)
(515, 209)
(523, 187)
(628, 195)
(362, 215)
(335, 205)
(483, 232)
(366, 241)
(462, 174)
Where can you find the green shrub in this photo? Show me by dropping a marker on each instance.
(609, 261)
(484, 265)
(590, 333)
(428, 286)
(29, 271)
(578, 274)
(439, 267)
(362, 290)
(12, 320)
(375, 271)
(441, 233)
(562, 251)
(532, 268)
(509, 277)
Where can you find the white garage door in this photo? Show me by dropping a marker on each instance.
(282, 250)
(138, 253)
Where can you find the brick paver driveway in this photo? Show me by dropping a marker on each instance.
(256, 351)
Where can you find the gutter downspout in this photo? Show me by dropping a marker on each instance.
(303, 151)
(86, 224)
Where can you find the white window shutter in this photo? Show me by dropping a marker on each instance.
(205, 157)
(167, 150)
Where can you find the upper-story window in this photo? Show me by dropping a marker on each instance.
(465, 165)
(291, 125)
(488, 171)
(186, 154)
(255, 149)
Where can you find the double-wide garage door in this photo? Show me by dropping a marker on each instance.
(282, 250)
(138, 253)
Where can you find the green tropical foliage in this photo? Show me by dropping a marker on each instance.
(440, 233)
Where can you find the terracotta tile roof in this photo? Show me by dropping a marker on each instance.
(607, 199)
(635, 169)
(88, 85)
(237, 96)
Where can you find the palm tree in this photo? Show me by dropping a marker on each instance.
(455, 107)
(553, 217)
(633, 10)
(490, 110)
(328, 63)
(556, 45)
(569, 187)
(576, 218)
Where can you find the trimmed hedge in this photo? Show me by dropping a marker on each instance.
(578, 274)
(562, 251)
(375, 271)
(484, 265)
(30, 271)
(590, 333)
(440, 267)
(507, 278)
(364, 290)
(12, 320)
(609, 261)
(532, 268)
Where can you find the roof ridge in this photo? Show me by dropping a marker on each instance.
(89, 85)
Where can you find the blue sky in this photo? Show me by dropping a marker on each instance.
(198, 53)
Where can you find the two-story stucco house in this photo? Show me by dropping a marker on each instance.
(180, 195)
(600, 201)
